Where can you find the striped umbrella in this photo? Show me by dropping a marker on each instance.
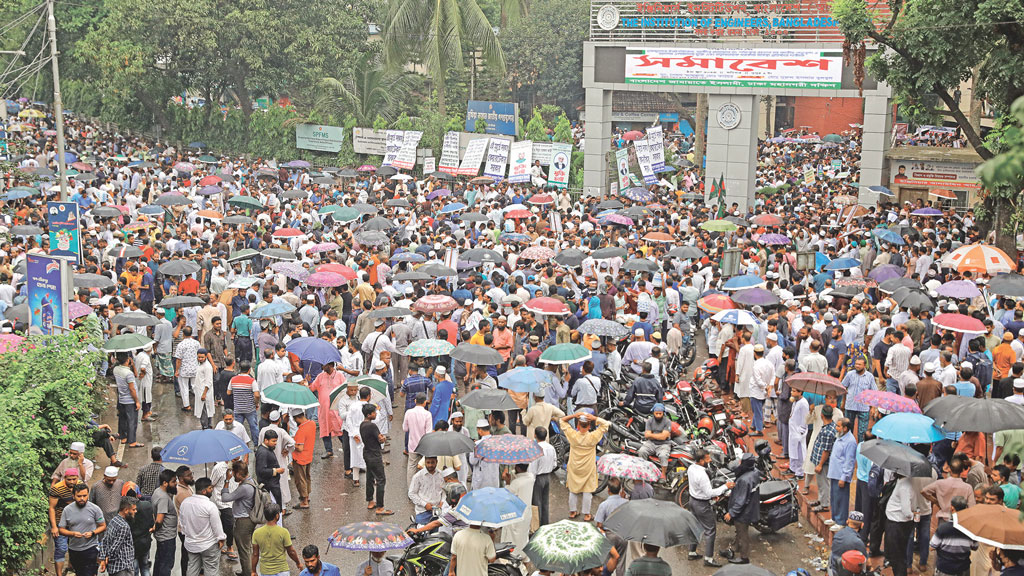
(714, 303)
(980, 259)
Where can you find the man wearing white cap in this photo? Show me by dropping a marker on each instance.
(375, 343)
(283, 449)
(908, 378)
(75, 459)
(1018, 392)
(485, 474)
(107, 493)
(144, 371)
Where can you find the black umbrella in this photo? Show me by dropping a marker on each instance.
(444, 444)
(92, 281)
(964, 414)
(738, 221)
(85, 177)
(26, 230)
(570, 258)
(897, 457)
(179, 268)
(658, 522)
(482, 255)
(378, 224)
(19, 313)
(609, 252)
(278, 254)
(387, 171)
(294, 194)
(474, 217)
(181, 302)
(742, 570)
(125, 251)
(846, 291)
(610, 204)
(1011, 284)
(890, 285)
(686, 253)
(390, 312)
(372, 238)
(476, 354)
(364, 208)
(436, 270)
(913, 299)
(413, 276)
(236, 219)
(398, 203)
(137, 318)
(484, 399)
(640, 265)
(442, 176)
(171, 200)
(106, 212)
(243, 254)
(324, 181)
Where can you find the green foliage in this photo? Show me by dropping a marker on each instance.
(563, 129)
(480, 126)
(366, 91)
(1003, 175)
(46, 399)
(535, 129)
(403, 122)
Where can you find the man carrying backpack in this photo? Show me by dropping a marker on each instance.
(244, 511)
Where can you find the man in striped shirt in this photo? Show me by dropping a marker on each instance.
(246, 399)
(952, 547)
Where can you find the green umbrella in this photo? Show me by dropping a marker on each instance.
(290, 395)
(243, 254)
(565, 354)
(834, 138)
(328, 208)
(346, 214)
(126, 343)
(718, 226)
(375, 382)
(568, 547)
(245, 202)
(429, 348)
(207, 159)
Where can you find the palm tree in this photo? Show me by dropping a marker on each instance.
(368, 90)
(440, 31)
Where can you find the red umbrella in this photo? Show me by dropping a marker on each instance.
(959, 323)
(287, 233)
(546, 305)
(82, 166)
(766, 220)
(715, 303)
(210, 180)
(541, 199)
(514, 214)
(633, 135)
(662, 237)
(434, 303)
(345, 271)
(942, 193)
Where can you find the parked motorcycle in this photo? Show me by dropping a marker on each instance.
(430, 554)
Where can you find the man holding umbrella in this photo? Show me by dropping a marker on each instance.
(582, 465)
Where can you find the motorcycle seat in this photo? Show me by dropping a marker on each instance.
(774, 488)
(503, 549)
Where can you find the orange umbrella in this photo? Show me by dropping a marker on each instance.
(942, 193)
(659, 237)
(979, 258)
(992, 524)
(211, 214)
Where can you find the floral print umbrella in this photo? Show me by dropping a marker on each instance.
(568, 547)
(370, 537)
(626, 466)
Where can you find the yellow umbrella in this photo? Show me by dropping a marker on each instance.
(32, 113)
(20, 128)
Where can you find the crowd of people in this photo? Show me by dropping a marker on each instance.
(499, 247)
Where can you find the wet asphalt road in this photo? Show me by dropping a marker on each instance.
(336, 502)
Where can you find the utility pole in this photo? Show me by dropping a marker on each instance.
(58, 106)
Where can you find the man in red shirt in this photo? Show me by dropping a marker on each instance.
(302, 457)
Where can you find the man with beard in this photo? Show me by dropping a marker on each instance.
(82, 523)
(204, 389)
(314, 566)
(165, 531)
(199, 519)
(117, 549)
(657, 437)
(186, 480)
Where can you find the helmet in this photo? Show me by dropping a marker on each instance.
(739, 428)
(706, 424)
(853, 560)
(453, 493)
(675, 429)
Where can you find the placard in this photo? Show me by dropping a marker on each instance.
(520, 160)
(450, 154)
(429, 165)
(474, 156)
(369, 141)
(809, 175)
(406, 157)
(561, 159)
(656, 146)
(65, 237)
(47, 293)
(643, 159)
(497, 157)
(542, 153)
(394, 139)
(622, 167)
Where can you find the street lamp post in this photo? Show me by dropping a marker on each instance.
(58, 106)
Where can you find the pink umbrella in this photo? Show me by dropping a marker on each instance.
(633, 135)
(961, 289)
(323, 247)
(325, 279)
(538, 253)
(287, 233)
(617, 219)
(514, 214)
(77, 309)
(367, 168)
(10, 342)
(546, 305)
(959, 323)
(344, 271)
(541, 199)
(435, 303)
(888, 401)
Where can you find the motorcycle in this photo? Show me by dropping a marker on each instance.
(430, 554)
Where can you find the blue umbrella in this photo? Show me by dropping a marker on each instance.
(881, 190)
(843, 264)
(526, 379)
(735, 316)
(908, 428)
(490, 507)
(203, 447)
(273, 309)
(637, 194)
(19, 192)
(453, 207)
(70, 157)
(886, 235)
(151, 210)
(820, 259)
(743, 281)
(314, 349)
(197, 145)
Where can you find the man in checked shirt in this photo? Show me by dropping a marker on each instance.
(117, 549)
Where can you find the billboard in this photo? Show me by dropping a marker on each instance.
(47, 293)
(369, 141)
(747, 68)
(946, 175)
(319, 138)
(501, 117)
(558, 175)
(65, 237)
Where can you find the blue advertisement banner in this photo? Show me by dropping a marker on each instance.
(501, 117)
(65, 237)
(47, 300)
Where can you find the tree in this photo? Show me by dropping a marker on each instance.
(535, 129)
(563, 130)
(544, 52)
(367, 90)
(1003, 174)
(931, 47)
(439, 33)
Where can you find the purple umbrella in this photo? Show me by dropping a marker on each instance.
(291, 270)
(774, 239)
(886, 272)
(960, 289)
(927, 212)
(298, 164)
(77, 309)
(755, 297)
(616, 219)
(323, 247)
(438, 193)
(210, 190)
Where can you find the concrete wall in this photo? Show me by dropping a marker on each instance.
(827, 115)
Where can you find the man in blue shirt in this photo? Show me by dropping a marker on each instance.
(314, 567)
(856, 382)
(840, 472)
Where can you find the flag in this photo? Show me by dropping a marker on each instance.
(714, 191)
(721, 196)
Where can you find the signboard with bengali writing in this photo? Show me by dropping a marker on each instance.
(450, 153)
(406, 157)
(946, 175)
(369, 141)
(501, 117)
(656, 145)
(475, 152)
(542, 153)
(394, 139)
(520, 161)
(643, 158)
(429, 165)
(65, 237)
(497, 157)
(756, 68)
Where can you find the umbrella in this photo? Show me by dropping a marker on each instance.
(714, 303)
(960, 289)
(339, 269)
(1011, 284)
(92, 281)
(243, 254)
(210, 190)
(546, 305)
(390, 312)
(567, 547)
(633, 135)
(476, 354)
(886, 272)
(755, 297)
(429, 348)
(278, 254)
(490, 507)
(734, 316)
(474, 217)
(897, 457)
(290, 270)
(203, 447)
(370, 537)
(372, 238)
(926, 212)
(766, 220)
(718, 226)
(888, 401)
(965, 414)
(609, 252)
(313, 349)
(570, 258)
(179, 268)
(526, 379)
(325, 280)
(365, 209)
(992, 524)
(135, 319)
(564, 354)
(482, 180)
(485, 399)
(637, 194)
(886, 235)
(743, 281)
(889, 286)
(366, 168)
(959, 323)
(635, 212)
(439, 193)
(656, 522)
(378, 223)
(604, 328)
(411, 276)
(445, 443)
(287, 233)
(507, 449)
(979, 258)
(437, 270)
(537, 253)
(169, 199)
(453, 208)
(482, 255)
(126, 343)
(913, 299)
(26, 230)
(186, 167)
(278, 308)
(181, 302)
(435, 303)
(398, 203)
(640, 265)
(323, 247)
(774, 239)
(628, 466)
(815, 383)
(106, 212)
(19, 312)
(842, 264)
(290, 395)
(908, 428)
(408, 257)
(76, 310)
(686, 253)
(345, 214)
(619, 219)
(127, 252)
(245, 202)
(441, 175)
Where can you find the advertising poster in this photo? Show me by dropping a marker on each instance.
(561, 156)
(643, 159)
(497, 157)
(406, 157)
(656, 145)
(475, 153)
(65, 238)
(393, 145)
(47, 293)
(946, 175)
(501, 117)
(520, 161)
(622, 167)
(749, 67)
(450, 153)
